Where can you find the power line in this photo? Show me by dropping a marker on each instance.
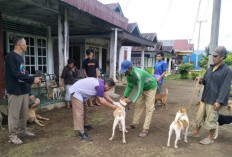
(127, 4)
(166, 15)
(198, 10)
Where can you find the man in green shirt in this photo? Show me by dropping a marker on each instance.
(144, 96)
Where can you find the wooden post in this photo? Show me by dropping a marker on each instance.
(142, 58)
(2, 72)
(60, 45)
(66, 37)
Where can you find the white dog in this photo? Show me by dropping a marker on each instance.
(180, 123)
(119, 118)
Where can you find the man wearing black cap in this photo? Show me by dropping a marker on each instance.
(216, 81)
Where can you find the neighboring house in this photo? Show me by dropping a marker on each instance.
(56, 30)
(150, 54)
(194, 58)
(182, 48)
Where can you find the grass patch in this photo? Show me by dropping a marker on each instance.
(24, 150)
(176, 77)
(100, 118)
(69, 132)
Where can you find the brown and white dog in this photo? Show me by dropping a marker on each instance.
(55, 93)
(33, 117)
(181, 123)
(163, 99)
(119, 119)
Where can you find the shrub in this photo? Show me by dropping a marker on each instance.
(228, 59)
(184, 69)
(194, 75)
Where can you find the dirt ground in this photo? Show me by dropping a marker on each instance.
(58, 139)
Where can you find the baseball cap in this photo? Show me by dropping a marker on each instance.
(125, 65)
(219, 50)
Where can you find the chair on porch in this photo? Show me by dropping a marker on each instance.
(103, 74)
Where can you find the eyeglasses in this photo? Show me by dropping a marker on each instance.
(215, 56)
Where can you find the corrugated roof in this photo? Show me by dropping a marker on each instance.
(114, 6)
(131, 27)
(99, 10)
(150, 36)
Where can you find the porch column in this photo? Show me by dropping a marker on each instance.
(169, 65)
(113, 53)
(2, 73)
(50, 53)
(66, 37)
(60, 46)
(142, 58)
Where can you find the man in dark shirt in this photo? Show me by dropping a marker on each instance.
(216, 81)
(68, 77)
(18, 84)
(90, 67)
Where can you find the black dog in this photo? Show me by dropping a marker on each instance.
(221, 121)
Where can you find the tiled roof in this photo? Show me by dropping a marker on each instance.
(183, 45)
(180, 45)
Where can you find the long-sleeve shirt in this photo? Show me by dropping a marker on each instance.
(142, 80)
(217, 85)
(18, 82)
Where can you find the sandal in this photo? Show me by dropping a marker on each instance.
(206, 141)
(16, 141)
(143, 133)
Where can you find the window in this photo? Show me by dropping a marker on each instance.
(29, 56)
(42, 54)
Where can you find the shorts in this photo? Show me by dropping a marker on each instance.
(207, 116)
(67, 93)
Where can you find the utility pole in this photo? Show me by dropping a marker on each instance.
(198, 43)
(214, 28)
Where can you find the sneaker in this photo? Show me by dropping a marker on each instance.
(16, 141)
(28, 134)
(89, 127)
(130, 127)
(143, 133)
(84, 136)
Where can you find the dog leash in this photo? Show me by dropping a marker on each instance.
(193, 95)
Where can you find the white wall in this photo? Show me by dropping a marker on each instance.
(121, 55)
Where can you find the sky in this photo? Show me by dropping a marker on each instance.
(176, 19)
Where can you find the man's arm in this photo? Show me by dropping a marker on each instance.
(106, 103)
(17, 74)
(164, 67)
(225, 88)
(97, 72)
(108, 98)
(75, 72)
(85, 73)
(128, 89)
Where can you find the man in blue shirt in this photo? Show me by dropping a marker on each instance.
(160, 70)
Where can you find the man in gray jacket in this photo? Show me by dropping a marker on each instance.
(216, 81)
